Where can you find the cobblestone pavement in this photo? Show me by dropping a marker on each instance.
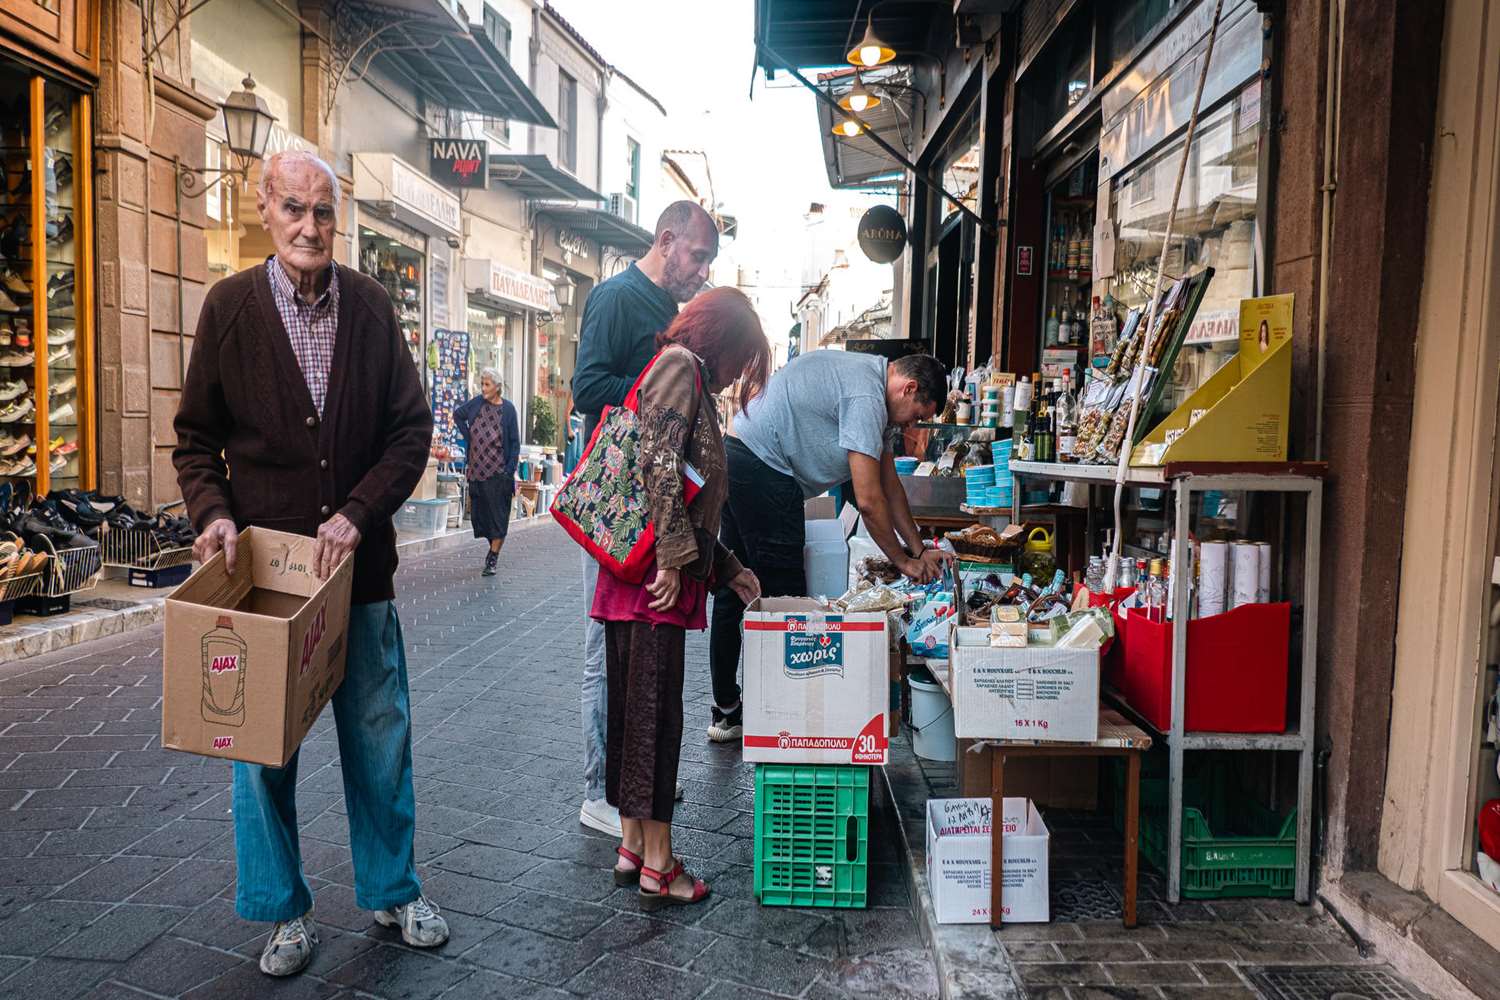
(116, 857)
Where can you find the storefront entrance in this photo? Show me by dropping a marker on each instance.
(46, 315)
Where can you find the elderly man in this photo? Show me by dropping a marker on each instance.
(620, 322)
(302, 411)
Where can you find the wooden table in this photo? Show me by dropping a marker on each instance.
(1117, 738)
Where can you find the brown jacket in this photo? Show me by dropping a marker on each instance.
(251, 446)
(679, 422)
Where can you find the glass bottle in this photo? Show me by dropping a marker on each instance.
(1067, 424)
(1053, 328)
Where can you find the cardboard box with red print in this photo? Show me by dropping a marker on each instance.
(816, 684)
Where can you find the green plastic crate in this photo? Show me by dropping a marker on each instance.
(1258, 859)
(812, 835)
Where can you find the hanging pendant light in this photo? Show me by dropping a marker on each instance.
(859, 98)
(870, 51)
(848, 128)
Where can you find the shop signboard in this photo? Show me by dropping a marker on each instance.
(506, 284)
(459, 163)
(882, 234)
(1214, 327)
(572, 244)
(413, 198)
(437, 272)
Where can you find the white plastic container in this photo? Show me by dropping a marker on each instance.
(825, 558)
(424, 518)
(931, 719)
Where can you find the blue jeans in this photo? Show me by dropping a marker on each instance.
(595, 689)
(372, 710)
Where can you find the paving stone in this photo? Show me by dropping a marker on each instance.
(246, 982)
(618, 978)
(170, 966)
(120, 933)
(778, 925)
(43, 871)
(513, 834)
(116, 879)
(55, 978)
(486, 985)
(38, 818)
(494, 863)
(189, 884)
(1219, 973)
(1102, 951)
(532, 955)
(1153, 973)
(466, 893)
(179, 839)
(555, 915)
(399, 973)
(653, 940)
(42, 926)
(762, 965)
(564, 878)
(1062, 973)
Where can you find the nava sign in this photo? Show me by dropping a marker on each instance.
(460, 163)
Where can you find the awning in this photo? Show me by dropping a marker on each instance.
(534, 176)
(856, 161)
(603, 227)
(821, 32)
(449, 60)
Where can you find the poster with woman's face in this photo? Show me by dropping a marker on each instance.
(1265, 323)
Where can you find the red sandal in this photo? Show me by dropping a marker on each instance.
(663, 895)
(626, 876)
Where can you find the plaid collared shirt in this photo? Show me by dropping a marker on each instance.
(312, 328)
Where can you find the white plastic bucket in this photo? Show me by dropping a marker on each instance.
(931, 720)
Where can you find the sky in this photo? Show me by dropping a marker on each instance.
(696, 57)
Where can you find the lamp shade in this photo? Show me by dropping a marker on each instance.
(870, 51)
(859, 98)
(848, 128)
(247, 121)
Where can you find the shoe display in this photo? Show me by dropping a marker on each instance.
(63, 170)
(60, 232)
(16, 411)
(60, 353)
(63, 386)
(59, 462)
(14, 283)
(10, 390)
(67, 449)
(16, 359)
(63, 416)
(21, 466)
(12, 445)
(7, 304)
(59, 335)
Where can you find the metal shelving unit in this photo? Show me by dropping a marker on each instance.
(1183, 481)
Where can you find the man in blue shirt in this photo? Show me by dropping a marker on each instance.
(824, 420)
(618, 338)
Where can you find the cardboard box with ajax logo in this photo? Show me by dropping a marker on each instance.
(250, 658)
(816, 686)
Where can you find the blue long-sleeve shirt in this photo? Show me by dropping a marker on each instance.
(509, 425)
(617, 339)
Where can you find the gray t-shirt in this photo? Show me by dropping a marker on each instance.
(814, 412)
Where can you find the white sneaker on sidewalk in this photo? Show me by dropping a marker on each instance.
(597, 814)
(290, 947)
(421, 924)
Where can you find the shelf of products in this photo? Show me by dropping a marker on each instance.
(1201, 503)
(44, 267)
(1069, 273)
(398, 268)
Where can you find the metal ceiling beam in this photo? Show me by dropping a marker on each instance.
(932, 180)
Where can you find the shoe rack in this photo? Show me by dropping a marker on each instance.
(46, 277)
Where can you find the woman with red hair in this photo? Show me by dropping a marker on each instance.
(716, 340)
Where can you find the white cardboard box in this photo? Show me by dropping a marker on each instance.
(958, 861)
(816, 686)
(825, 549)
(1036, 693)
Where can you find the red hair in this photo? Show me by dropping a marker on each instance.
(721, 326)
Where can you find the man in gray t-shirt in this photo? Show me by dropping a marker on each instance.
(824, 420)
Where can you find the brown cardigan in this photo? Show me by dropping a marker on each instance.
(251, 446)
(679, 422)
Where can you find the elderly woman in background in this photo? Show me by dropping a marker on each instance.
(492, 444)
(715, 340)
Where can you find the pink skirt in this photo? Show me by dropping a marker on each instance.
(618, 601)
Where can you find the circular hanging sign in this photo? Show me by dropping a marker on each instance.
(882, 234)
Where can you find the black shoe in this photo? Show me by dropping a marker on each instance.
(489, 564)
(727, 726)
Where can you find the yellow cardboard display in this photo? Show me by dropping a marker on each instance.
(1244, 405)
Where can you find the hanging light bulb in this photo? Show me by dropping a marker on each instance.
(870, 51)
(848, 128)
(859, 98)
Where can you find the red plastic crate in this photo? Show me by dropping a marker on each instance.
(1237, 665)
(1113, 651)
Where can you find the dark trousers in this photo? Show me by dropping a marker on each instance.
(643, 737)
(762, 526)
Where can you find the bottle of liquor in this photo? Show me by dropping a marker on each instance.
(1067, 424)
(1073, 247)
(1086, 248)
(1156, 594)
(1054, 328)
(1066, 324)
(1021, 412)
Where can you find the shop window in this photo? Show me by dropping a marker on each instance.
(497, 28)
(567, 121)
(399, 269)
(46, 338)
(1216, 227)
(1130, 22)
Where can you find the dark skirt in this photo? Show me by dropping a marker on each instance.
(644, 665)
(489, 506)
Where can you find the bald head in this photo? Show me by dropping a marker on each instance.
(686, 243)
(299, 162)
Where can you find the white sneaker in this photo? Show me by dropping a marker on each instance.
(677, 797)
(290, 947)
(597, 814)
(421, 924)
